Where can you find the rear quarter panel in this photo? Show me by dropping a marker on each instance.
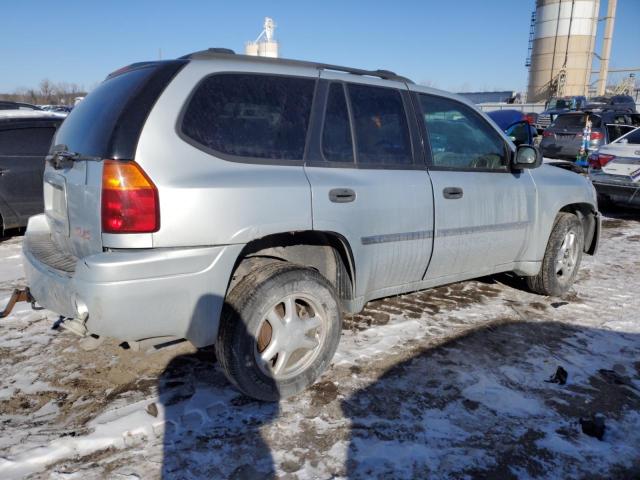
(205, 200)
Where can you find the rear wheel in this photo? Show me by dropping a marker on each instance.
(279, 330)
(562, 257)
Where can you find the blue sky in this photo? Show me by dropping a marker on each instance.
(456, 45)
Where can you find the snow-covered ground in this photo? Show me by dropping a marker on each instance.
(448, 383)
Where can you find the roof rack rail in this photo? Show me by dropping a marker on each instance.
(384, 74)
(209, 51)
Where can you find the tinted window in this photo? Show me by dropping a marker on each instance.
(26, 141)
(89, 126)
(382, 134)
(337, 145)
(634, 137)
(459, 137)
(250, 115)
(576, 121)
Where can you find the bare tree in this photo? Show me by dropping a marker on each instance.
(46, 90)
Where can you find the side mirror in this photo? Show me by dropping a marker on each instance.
(527, 156)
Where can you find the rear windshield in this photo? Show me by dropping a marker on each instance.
(87, 129)
(108, 121)
(576, 121)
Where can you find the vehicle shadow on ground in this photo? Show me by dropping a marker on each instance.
(480, 406)
(616, 215)
(211, 430)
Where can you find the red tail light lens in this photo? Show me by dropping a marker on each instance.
(599, 160)
(129, 199)
(596, 136)
(530, 119)
(547, 133)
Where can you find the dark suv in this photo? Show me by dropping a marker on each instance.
(618, 103)
(25, 138)
(563, 138)
(557, 106)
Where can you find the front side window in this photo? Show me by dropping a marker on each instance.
(251, 115)
(337, 145)
(459, 137)
(381, 128)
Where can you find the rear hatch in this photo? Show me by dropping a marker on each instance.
(105, 125)
(568, 128)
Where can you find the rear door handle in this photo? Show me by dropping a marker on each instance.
(452, 193)
(342, 195)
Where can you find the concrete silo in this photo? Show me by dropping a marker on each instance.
(265, 45)
(563, 46)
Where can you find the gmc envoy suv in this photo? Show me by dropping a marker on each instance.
(250, 202)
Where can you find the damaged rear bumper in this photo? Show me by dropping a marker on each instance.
(135, 294)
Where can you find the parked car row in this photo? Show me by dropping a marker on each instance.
(564, 137)
(615, 171)
(561, 105)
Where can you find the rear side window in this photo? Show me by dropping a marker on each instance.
(26, 141)
(251, 115)
(381, 128)
(576, 121)
(337, 145)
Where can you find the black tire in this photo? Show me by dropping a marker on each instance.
(549, 280)
(245, 310)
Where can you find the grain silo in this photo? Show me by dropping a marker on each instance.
(563, 46)
(265, 45)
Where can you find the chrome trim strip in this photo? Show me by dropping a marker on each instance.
(445, 232)
(396, 237)
(499, 227)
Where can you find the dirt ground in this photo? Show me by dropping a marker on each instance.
(448, 383)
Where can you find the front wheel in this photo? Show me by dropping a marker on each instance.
(561, 258)
(279, 330)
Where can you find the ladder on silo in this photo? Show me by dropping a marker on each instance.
(532, 31)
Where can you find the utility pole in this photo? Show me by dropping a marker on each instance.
(606, 46)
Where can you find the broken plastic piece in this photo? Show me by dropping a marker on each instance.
(560, 376)
(18, 295)
(594, 426)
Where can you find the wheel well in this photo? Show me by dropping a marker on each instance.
(327, 252)
(587, 215)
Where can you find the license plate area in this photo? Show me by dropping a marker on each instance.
(55, 202)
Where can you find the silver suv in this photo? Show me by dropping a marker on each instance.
(250, 202)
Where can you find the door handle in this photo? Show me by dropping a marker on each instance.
(342, 195)
(452, 193)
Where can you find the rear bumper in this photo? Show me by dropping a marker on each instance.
(560, 150)
(136, 294)
(624, 193)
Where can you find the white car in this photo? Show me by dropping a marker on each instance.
(615, 170)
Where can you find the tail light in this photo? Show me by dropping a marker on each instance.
(596, 136)
(129, 199)
(530, 119)
(547, 133)
(599, 160)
